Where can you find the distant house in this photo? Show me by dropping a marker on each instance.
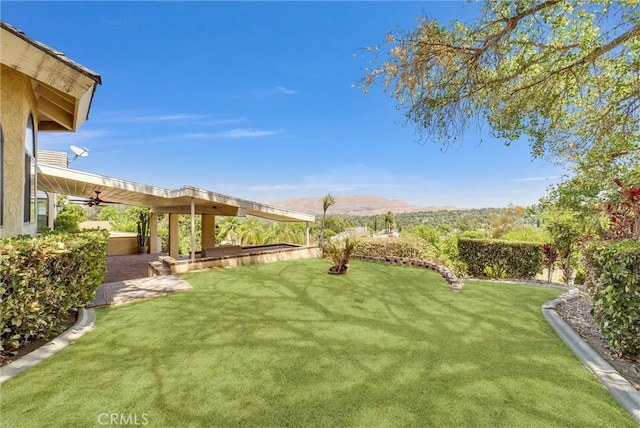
(41, 90)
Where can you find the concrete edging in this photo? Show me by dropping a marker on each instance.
(86, 322)
(617, 385)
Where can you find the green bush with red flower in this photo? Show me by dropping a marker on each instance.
(613, 272)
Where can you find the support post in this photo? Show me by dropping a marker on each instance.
(154, 246)
(193, 229)
(208, 237)
(307, 233)
(174, 229)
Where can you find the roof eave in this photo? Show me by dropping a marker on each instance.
(64, 89)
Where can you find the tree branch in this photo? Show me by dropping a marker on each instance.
(601, 50)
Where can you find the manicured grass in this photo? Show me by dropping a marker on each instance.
(285, 344)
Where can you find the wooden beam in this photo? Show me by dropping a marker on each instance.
(81, 113)
(42, 66)
(49, 125)
(56, 113)
(58, 98)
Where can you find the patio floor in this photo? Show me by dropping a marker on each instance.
(127, 280)
(120, 268)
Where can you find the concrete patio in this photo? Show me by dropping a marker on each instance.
(127, 280)
(127, 277)
(132, 290)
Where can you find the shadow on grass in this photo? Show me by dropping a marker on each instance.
(285, 344)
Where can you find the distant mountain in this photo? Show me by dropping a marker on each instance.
(362, 205)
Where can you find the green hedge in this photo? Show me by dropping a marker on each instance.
(43, 279)
(613, 281)
(409, 247)
(500, 259)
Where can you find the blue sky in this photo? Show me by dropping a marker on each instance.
(257, 100)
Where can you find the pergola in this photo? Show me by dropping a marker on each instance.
(184, 200)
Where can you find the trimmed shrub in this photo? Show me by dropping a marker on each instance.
(406, 247)
(69, 219)
(500, 259)
(43, 279)
(613, 282)
(526, 233)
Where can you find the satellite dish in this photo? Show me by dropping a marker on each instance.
(79, 152)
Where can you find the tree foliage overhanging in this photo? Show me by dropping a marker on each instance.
(565, 74)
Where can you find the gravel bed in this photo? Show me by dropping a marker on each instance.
(577, 313)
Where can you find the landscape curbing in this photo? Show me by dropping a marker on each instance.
(617, 385)
(86, 322)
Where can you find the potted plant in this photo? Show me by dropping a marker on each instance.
(339, 255)
(142, 224)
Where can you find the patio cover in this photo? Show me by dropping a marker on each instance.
(184, 200)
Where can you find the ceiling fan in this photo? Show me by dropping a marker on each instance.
(96, 201)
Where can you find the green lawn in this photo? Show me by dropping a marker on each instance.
(285, 344)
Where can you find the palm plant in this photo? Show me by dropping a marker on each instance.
(327, 201)
(339, 255)
(388, 221)
(229, 229)
(251, 231)
(291, 233)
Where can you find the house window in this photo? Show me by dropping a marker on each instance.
(29, 171)
(43, 211)
(1, 176)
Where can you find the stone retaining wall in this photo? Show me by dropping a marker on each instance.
(454, 282)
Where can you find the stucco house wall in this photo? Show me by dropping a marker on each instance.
(38, 80)
(17, 100)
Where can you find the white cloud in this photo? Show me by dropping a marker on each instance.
(62, 141)
(109, 138)
(115, 22)
(138, 117)
(278, 90)
(274, 187)
(120, 116)
(353, 179)
(233, 133)
(420, 190)
(361, 177)
(226, 121)
(285, 91)
(166, 117)
(535, 178)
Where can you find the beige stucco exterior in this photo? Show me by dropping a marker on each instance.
(121, 245)
(208, 238)
(17, 100)
(57, 92)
